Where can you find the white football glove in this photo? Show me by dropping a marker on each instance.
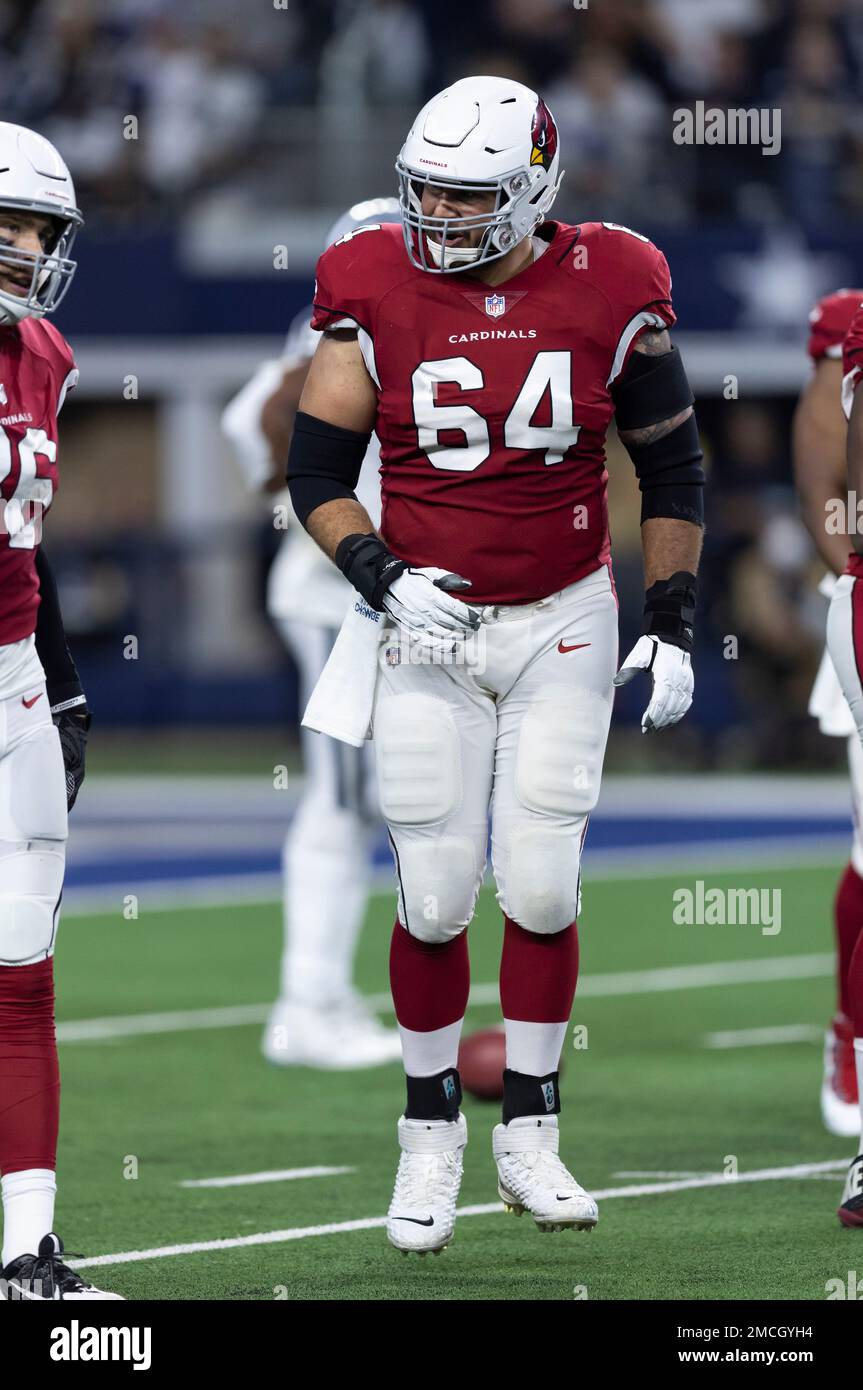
(419, 601)
(670, 669)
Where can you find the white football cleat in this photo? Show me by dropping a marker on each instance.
(840, 1108)
(531, 1177)
(422, 1211)
(343, 1036)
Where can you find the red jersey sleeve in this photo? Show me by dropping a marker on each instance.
(852, 360)
(62, 361)
(829, 322)
(643, 298)
(341, 297)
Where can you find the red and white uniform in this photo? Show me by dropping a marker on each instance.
(829, 323)
(845, 619)
(493, 404)
(493, 407)
(36, 370)
(852, 359)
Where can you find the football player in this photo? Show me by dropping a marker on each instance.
(489, 349)
(845, 645)
(818, 445)
(43, 711)
(318, 1020)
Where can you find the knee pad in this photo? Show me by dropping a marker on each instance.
(561, 745)
(418, 759)
(541, 883)
(438, 883)
(31, 879)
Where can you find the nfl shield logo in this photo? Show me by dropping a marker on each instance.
(495, 305)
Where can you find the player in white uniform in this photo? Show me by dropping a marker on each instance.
(318, 1019)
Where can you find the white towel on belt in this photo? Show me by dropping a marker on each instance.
(827, 704)
(342, 701)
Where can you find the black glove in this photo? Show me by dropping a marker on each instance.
(73, 726)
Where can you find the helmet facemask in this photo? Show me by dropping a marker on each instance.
(50, 271)
(504, 225)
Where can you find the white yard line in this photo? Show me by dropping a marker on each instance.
(610, 985)
(161, 1252)
(764, 1037)
(275, 1175)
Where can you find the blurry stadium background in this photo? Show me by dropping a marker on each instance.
(204, 137)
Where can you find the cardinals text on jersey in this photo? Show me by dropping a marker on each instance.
(493, 404)
(36, 370)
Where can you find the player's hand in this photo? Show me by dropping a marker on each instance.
(73, 727)
(419, 601)
(670, 669)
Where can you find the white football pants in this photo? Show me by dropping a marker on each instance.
(33, 828)
(326, 851)
(518, 721)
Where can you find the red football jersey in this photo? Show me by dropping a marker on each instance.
(36, 371)
(852, 349)
(494, 403)
(830, 320)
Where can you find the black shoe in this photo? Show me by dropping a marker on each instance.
(851, 1211)
(45, 1278)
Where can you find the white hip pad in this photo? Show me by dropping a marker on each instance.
(418, 759)
(561, 745)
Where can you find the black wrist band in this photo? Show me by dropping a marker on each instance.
(669, 609)
(369, 565)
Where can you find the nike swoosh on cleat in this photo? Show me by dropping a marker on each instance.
(561, 647)
(429, 1221)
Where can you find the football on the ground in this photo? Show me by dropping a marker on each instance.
(481, 1060)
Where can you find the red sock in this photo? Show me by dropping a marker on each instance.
(538, 973)
(430, 983)
(854, 987)
(848, 917)
(29, 1073)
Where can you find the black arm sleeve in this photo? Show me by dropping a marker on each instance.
(669, 469)
(323, 464)
(61, 676)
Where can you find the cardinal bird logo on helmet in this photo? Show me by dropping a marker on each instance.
(543, 134)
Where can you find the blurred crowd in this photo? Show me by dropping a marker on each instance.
(216, 89)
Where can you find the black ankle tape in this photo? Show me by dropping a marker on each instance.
(434, 1097)
(530, 1095)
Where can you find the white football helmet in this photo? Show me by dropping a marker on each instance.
(485, 134)
(34, 178)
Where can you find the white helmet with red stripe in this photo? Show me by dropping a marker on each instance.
(481, 135)
(34, 178)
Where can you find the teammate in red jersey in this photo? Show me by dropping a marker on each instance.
(845, 644)
(43, 711)
(489, 350)
(818, 440)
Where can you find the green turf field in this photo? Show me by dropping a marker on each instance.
(645, 1097)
